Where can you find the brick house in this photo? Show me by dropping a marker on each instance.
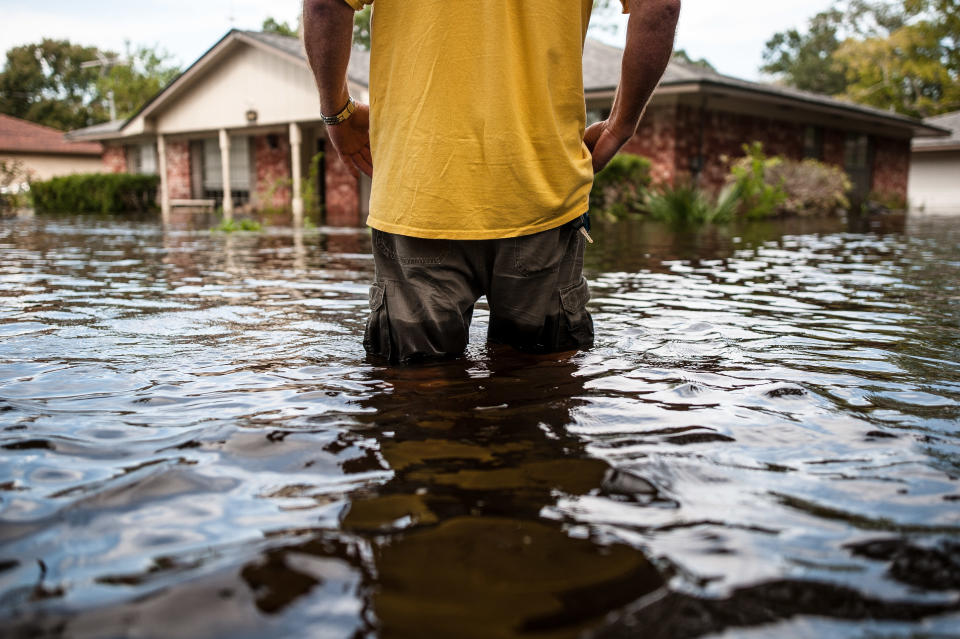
(241, 125)
(43, 152)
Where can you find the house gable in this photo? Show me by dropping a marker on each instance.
(244, 78)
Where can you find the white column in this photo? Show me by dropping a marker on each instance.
(296, 142)
(225, 165)
(164, 181)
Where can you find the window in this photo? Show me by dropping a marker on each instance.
(239, 169)
(239, 164)
(142, 159)
(858, 163)
(813, 142)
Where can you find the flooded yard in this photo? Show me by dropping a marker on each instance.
(764, 442)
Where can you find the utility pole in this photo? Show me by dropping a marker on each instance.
(106, 63)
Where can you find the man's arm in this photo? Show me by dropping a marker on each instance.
(650, 34)
(327, 37)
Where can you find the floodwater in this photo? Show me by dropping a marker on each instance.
(765, 441)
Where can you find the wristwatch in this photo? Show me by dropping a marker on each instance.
(344, 115)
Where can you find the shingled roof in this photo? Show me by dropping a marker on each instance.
(21, 136)
(601, 75)
(601, 72)
(949, 121)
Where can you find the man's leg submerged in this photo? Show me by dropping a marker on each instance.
(421, 301)
(538, 294)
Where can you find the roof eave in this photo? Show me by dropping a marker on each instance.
(917, 127)
(933, 148)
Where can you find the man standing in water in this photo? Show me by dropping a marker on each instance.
(483, 168)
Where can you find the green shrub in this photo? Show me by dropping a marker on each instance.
(685, 204)
(761, 193)
(773, 185)
(308, 190)
(13, 181)
(812, 187)
(96, 193)
(618, 189)
(886, 201)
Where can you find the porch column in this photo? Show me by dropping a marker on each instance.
(296, 141)
(225, 165)
(164, 180)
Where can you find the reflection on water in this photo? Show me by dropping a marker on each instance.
(765, 441)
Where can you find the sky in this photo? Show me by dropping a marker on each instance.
(729, 34)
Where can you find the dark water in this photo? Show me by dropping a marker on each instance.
(765, 442)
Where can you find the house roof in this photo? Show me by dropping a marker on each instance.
(21, 136)
(948, 121)
(601, 73)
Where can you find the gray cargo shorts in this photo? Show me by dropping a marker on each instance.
(422, 298)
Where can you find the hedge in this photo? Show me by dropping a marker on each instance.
(96, 193)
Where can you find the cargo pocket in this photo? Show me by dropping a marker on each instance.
(541, 252)
(376, 336)
(576, 325)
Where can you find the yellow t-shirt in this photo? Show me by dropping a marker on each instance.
(477, 116)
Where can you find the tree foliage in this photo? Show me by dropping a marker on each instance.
(892, 55)
(681, 55)
(361, 27)
(272, 25)
(49, 83)
(143, 73)
(46, 83)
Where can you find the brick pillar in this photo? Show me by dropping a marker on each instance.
(114, 158)
(179, 181)
(272, 162)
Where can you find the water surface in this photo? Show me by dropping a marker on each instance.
(765, 441)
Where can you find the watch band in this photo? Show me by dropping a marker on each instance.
(345, 113)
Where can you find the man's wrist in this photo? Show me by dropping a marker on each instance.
(342, 115)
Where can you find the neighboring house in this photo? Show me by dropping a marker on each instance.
(935, 168)
(44, 152)
(249, 105)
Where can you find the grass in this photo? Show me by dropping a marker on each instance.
(230, 226)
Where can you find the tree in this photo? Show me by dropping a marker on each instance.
(143, 73)
(901, 56)
(805, 59)
(53, 82)
(914, 70)
(681, 55)
(46, 83)
(272, 25)
(361, 27)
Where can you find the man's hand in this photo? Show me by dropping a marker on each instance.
(650, 33)
(351, 139)
(604, 140)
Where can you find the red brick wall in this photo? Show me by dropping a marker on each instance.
(655, 139)
(833, 145)
(342, 193)
(114, 158)
(724, 135)
(272, 187)
(178, 170)
(891, 167)
(670, 137)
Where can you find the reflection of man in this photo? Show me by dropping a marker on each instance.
(483, 167)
